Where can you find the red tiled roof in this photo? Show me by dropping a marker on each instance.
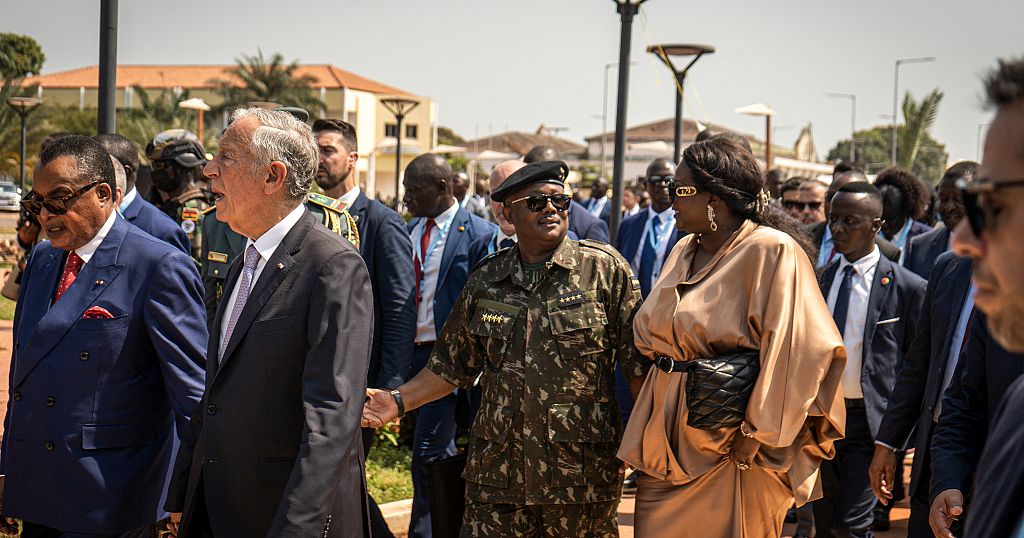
(199, 76)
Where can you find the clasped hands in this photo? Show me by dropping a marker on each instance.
(378, 409)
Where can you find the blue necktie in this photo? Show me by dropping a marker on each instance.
(843, 299)
(647, 258)
(507, 243)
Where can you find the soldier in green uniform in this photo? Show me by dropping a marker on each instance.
(220, 244)
(176, 161)
(542, 324)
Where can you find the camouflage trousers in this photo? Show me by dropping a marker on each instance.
(585, 520)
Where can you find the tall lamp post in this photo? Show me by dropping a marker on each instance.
(665, 54)
(200, 106)
(896, 96)
(399, 106)
(23, 106)
(627, 10)
(107, 90)
(761, 109)
(853, 120)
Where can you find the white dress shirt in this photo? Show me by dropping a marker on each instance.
(630, 212)
(956, 345)
(856, 316)
(266, 245)
(597, 206)
(349, 197)
(431, 268)
(127, 199)
(87, 250)
(667, 219)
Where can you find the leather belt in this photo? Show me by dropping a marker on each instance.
(669, 365)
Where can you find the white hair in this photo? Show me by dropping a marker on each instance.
(282, 137)
(120, 178)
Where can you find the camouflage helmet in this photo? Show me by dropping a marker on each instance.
(178, 145)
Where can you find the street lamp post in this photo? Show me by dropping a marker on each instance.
(761, 109)
(399, 106)
(853, 121)
(896, 96)
(665, 54)
(107, 91)
(23, 106)
(627, 9)
(200, 106)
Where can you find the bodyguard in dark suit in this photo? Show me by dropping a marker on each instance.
(645, 239)
(136, 209)
(599, 205)
(923, 250)
(109, 346)
(276, 449)
(441, 233)
(876, 305)
(927, 370)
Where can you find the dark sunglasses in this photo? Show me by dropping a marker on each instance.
(539, 202)
(977, 213)
(33, 203)
(655, 180)
(681, 191)
(800, 206)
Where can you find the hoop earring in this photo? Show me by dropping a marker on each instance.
(711, 219)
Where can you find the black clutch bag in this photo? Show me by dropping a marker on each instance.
(717, 389)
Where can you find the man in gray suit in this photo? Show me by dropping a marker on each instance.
(276, 448)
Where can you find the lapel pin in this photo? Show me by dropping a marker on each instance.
(280, 266)
(100, 282)
(886, 280)
(462, 228)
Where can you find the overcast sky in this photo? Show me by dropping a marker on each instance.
(493, 64)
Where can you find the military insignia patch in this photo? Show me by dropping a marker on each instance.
(190, 213)
(490, 317)
(570, 299)
(188, 226)
(325, 201)
(218, 257)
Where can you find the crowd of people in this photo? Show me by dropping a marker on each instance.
(207, 351)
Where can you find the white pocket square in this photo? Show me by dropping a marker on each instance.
(887, 321)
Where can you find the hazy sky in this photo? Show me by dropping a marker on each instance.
(493, 64)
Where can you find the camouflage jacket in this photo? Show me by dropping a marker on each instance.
(548, 426)
(221, 244)
(187, 210)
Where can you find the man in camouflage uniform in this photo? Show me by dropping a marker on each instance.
(176, 161)
(543, 324)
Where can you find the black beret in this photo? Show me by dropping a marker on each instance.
(539, 172)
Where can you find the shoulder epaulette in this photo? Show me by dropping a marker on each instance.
(601, 246)
(325, 201)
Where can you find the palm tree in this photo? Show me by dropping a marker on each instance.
(257, 79)
(920, 117)
(155, 113)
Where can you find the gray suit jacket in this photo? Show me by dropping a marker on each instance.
(276, 442)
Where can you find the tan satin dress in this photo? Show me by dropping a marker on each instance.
(759, 292)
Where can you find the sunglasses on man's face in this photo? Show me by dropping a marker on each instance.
(800, 206)
(979, 214)
(539, 202)
(660, 180)
(33, 203)
(681, 191)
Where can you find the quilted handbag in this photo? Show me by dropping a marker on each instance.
(718, 389)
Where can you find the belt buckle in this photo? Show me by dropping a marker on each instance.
(665, 364)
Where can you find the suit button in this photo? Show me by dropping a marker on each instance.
(84, 356)
(48, 446)
(17, 395)
(211, 409)
(50, 401)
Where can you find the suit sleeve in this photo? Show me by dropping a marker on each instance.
(395, 282)
(905, 400)
(598, 231)
(179, 240)
(963, 425)
(912, 311)
(338, 343)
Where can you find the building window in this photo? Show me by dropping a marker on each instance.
(351, 117)
(411, 130)
(391, 130)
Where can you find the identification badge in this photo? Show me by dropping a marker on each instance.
(218, 257)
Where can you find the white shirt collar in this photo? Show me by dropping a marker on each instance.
(446, 216)
(349, 197)
(663, 216)
(128, 199)
(267, 243)
(87, 250)
(502, 236)
(862, 265)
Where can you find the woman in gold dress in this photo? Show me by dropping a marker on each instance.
(741, 281)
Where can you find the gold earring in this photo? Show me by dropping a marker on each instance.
(711, 218)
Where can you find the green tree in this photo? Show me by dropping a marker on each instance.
(20, 56)
(157, 112)
(446, 136)
(920, 117)
(874, 149)
(258, 79)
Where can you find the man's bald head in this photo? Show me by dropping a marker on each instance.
(498, 176)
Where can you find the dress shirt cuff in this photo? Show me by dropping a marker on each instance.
(446, 373)
(886, 445)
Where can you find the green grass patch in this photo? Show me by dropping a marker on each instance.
(387, 472)
(6, 308)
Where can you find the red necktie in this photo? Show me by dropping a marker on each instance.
(428, 226)
(71, 267)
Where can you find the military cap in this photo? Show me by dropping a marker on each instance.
(539, 172)
(300, 113)
(178, 145)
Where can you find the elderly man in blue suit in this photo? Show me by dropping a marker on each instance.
(876, 305)
(442, 233)
(109, 356)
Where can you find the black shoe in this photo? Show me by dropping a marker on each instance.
(629, 484)
(881, 522)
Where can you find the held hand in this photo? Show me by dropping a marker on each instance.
(881, 472)
(379, 409)
(946, 508)
(174, 525)
(743, 450)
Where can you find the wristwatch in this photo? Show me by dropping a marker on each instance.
(398, 401)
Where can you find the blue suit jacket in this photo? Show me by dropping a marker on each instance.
(455, 261)
(919, 383)
(387, 251)
(606, 211)
(89, 430)
(585, 225)
(885, 345)
(923, 250)
(156, 223)
(981, 380)
(630, 238)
